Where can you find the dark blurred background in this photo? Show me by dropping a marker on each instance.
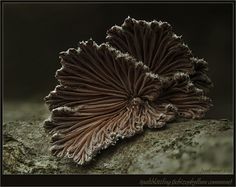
(34, 34)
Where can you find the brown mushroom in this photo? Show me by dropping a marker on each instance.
(157, 46)
(103, 95)
(143, 76)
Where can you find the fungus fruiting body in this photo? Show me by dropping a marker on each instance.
(143, 76)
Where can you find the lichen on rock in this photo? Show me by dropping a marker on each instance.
(181, 147)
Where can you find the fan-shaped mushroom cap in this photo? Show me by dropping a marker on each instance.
(157, 46)
(103, 95)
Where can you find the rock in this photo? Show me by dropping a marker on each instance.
(185, 146)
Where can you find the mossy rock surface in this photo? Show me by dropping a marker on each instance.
(182, 147)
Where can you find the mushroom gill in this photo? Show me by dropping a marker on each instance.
(157, 46)
(190, 101)
(103, 95)
(143, 76)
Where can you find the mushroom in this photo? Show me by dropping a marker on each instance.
(103, 95)
(157, 46)
(112, 91)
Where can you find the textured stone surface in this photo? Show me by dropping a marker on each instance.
(194, 146)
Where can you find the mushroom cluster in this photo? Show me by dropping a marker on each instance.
(143, 75)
